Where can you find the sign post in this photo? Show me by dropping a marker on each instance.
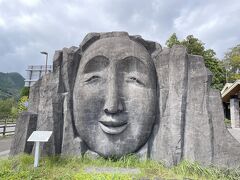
(36, 156)
(37, 137)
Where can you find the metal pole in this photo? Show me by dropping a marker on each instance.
(46, 60)
(36, 157)
(4, 127)
(46, 63)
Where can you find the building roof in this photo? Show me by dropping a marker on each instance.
(230, 89)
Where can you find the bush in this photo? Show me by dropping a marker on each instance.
(23, 104)
(24, 91)
(7, 107)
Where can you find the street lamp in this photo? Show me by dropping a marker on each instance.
(46, 60)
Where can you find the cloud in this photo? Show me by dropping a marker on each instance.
(215, 24)
(30, 26)
(30, 3)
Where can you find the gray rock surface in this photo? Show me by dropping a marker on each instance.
(25, 125)
(197, 131)
(171, 66)
(225, 148)
(118, 94)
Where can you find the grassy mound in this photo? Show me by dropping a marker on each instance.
(21, 167)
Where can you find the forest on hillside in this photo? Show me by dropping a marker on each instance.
(10, 85)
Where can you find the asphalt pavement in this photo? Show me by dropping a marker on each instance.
(235, 132)
(5, 144)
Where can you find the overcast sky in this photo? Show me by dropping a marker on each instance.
(30, 26)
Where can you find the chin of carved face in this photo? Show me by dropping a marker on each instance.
(114, 97)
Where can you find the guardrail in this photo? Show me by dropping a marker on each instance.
(7, 126)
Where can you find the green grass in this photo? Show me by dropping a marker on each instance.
(21, 167)
(227, 121)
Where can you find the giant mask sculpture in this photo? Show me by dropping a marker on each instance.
(115, 96)
(118, 94)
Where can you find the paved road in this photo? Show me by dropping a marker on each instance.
(5, 144)
(235, 133)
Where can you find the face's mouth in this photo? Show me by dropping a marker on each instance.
(110, 125)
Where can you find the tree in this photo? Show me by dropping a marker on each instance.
(172, 40)
(196, 47)
(24, 91)
(6, 106)
(215, 66)
(231, 62)
(193, 45)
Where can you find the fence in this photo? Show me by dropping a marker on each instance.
(7, 125)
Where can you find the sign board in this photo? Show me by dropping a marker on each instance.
(40, 136)
(37, 137)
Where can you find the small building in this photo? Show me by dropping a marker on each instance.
(36, 72)
(230, 97)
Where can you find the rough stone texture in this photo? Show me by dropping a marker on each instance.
(71, 144)
(171, 66)
(197, 130)
(225, 146)
(25, 125)
(235, 114)
(100, 99)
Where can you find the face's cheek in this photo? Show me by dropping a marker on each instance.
(88, 105)
(140, 103)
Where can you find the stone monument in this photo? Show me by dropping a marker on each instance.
(118, 94)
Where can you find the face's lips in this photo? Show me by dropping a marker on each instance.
(110, 125)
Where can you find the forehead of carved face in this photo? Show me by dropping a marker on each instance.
(114, 97)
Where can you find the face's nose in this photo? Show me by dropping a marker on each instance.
(113, 103)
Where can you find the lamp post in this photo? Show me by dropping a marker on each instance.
(46, 60)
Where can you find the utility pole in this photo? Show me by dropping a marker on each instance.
(45, 53)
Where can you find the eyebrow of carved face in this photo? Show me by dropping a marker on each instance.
(128, 64)
(131, 64)
(96, 64)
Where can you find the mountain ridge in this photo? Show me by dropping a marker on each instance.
(10, 85)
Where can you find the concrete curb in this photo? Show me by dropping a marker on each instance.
(235, 132)
(4, 153)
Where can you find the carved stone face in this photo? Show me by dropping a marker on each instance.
(114, 98)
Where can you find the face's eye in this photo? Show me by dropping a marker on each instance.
(92, 79)
(135, 80)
